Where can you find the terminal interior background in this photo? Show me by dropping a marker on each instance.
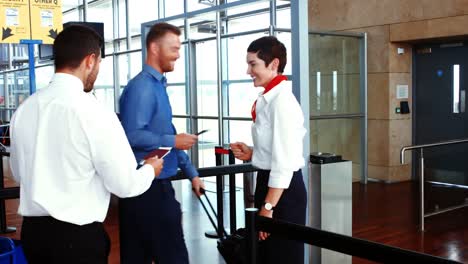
(371, 76)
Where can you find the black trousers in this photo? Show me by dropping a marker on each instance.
(151, 227)
(48, 240)
(291, 208)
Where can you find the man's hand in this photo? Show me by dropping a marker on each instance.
(185, 141)
(241, 150)
(156, 163)
(197, 185)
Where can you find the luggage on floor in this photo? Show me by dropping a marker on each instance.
(232, 247)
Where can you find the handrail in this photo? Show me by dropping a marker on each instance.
(421, 147)
(436, 144)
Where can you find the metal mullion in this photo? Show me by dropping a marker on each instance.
(232, 118)
(116, 79)
(363, 78)
(85, 10)
(232, 35)
(219, 76)
(272, 18)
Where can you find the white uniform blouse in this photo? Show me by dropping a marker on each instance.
(278, 133)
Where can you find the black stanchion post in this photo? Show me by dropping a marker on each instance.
(232, 195)
(219, 205)
(219, 151)
(252, 237)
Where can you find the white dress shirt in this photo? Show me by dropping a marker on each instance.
(278, 133)
(69, 153)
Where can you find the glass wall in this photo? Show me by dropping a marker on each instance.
(210, 75)
(337, 97)
(202, 75)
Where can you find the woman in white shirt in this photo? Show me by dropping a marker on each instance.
(277, 132)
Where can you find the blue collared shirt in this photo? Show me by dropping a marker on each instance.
(146, 115)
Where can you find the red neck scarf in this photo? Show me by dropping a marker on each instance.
(277, 80)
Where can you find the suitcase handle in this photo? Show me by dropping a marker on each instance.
(203, 192)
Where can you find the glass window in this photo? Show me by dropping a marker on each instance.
(250, 7)
(197, 5)
(104, 85)
(335, 75)
(239, 131)
(207, 88)
(2, 91)
(136, 43)
(207, 142)
(180, 124)
(129, 66)
(257, 21)
(43, 76)
(173, 8)
(18, 88)
(71, 16)
(102, 12)
(241, 97)
(178, 99)
(283, 16)
(203, 26)
(142, 11)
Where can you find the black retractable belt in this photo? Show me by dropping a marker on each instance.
(232, 247)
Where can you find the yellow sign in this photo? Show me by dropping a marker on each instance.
(14, 20)
(46, 19)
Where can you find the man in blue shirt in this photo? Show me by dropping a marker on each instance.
(151, 224)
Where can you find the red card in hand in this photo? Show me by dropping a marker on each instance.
(160, 152)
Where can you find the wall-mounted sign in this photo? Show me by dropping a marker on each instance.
(14, 20)
(30, 19)
(402, 91)
(46, 19)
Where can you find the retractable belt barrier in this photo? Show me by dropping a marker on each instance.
(340, 243)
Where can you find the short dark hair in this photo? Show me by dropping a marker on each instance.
(158, 30)
(269, 48)
(73, 44)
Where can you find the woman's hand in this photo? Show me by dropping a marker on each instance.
(241, 151)
(266, 213)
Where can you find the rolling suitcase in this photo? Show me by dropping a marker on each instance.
(231, 247)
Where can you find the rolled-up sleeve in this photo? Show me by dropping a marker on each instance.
(288, 133)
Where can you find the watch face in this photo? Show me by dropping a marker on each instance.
(268, 206)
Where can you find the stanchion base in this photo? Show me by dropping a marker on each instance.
(211, 234)
(7, 230)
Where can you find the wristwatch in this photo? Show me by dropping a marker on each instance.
(268, 206)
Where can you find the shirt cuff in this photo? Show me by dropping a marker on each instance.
(280, 179)
(168, 140)
(190, 172)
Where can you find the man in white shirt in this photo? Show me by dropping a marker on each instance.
(69, 154)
